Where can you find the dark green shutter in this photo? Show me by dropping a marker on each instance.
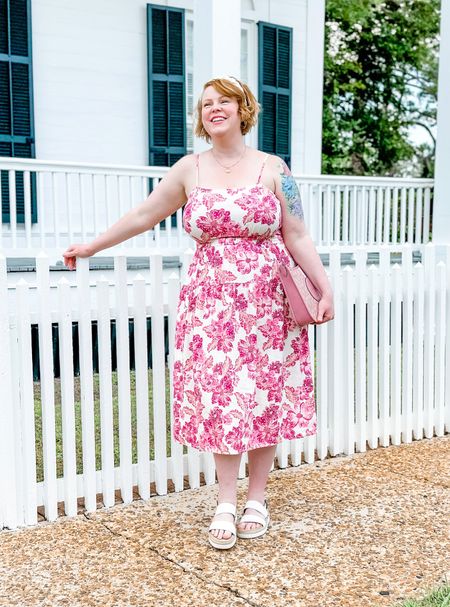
(275, 89)
(166, 85)
(16, 99)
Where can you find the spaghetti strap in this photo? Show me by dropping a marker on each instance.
(262, 167)
(197, 167)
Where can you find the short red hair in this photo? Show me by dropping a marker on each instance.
(249, 107)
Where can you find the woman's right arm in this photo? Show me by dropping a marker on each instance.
(168, 196)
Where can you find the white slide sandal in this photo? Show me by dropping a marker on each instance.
(263, 519)
(224, 507)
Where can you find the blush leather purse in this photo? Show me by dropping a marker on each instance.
(303, 297)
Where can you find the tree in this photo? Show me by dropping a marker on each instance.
(380, 80)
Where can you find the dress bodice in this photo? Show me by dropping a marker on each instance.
(246, 212)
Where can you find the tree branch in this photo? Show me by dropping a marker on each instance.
(426, 127)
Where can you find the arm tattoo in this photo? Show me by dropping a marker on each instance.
(291, 192)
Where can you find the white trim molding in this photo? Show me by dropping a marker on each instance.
(441, 203)
(310, 155)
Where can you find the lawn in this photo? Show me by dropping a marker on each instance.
(78, 429)
(440, 597)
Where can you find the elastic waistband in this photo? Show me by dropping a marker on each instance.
(229, 239)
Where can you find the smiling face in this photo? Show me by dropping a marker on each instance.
(220, 113)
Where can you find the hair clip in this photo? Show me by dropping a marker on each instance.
(236, 82)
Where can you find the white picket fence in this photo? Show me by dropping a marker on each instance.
(381, 376)
(76, 201)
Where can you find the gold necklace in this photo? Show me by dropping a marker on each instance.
(229, 167)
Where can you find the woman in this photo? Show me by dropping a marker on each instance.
(242, 374)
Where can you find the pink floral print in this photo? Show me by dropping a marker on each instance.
(241, 374)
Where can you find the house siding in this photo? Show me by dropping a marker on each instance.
(90, 76)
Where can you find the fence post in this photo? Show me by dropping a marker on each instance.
(8, 479)
(429, 260)
(348, 388)
(396, 378)
(418, 330)
(447, 344)
(86, 385)
(361, 323)
(385, 348)
(335, 363)
(372, 355)
(176, 447)
(142, 409)
(123, 378)
(67, 396)
(408, 344)
(158, 373)
(440, 367)
(106, 394)
(47, 387)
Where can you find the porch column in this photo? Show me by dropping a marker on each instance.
(217, 45)
(307, 153)
(441, 204)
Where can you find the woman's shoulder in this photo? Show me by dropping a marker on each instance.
(183, 165)
(274, 164)
(186, 160)
(275, 161)
(269, 159)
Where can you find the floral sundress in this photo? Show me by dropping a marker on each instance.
(242, 375)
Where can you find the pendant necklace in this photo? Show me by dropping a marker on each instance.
(228, 168)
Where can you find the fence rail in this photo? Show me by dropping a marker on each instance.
(380, 377)
(47, 205)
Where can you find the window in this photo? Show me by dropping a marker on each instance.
(166, 85)
(16, 100)
(275, 87)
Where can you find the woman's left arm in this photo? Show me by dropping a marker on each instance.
(296, 236)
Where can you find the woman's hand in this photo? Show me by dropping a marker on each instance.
(325, 309)
(74, 251)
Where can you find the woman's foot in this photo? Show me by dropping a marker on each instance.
(250, 526)
(222, 531)
(255, 520)
(222, 534)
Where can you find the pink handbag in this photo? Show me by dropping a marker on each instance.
(303, 297)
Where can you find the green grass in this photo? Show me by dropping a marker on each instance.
(440, 597)
(78, 428)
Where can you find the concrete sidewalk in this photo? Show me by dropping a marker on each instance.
(359, 531)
